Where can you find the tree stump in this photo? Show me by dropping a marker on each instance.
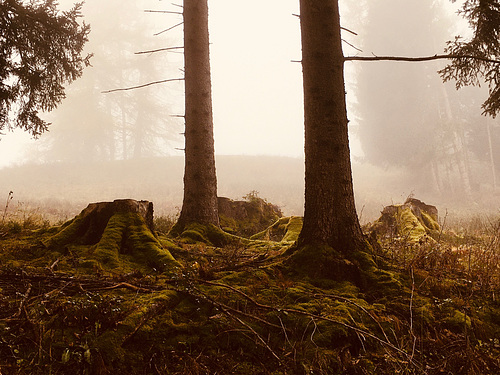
(111, 230)
(413, 220)
(248, 217)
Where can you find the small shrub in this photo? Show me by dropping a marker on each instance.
(163, 224)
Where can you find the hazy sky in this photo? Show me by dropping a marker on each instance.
(257, 89)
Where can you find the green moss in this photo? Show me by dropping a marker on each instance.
(228, 224)
(285, 229)
(127, 234)
(458, 321)
(276, 230)
(68, 232)
(110, 347)
(424, 314)
(108, 249)
(292, 229)
(322, 262)
(145, 247)
(429, 222)
(208, 234)
(410, 227)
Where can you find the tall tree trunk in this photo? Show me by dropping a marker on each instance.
(330, 215)
(200, 181)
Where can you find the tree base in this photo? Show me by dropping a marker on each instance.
(324, 266)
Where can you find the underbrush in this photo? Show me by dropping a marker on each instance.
(469, 251)
(241, 310)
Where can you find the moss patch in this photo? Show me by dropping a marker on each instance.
(286, 229)
(127, 234)
(208, 234)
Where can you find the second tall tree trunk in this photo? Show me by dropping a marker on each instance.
(330, 216)
(200, 182)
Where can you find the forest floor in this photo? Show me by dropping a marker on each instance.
(240, 308)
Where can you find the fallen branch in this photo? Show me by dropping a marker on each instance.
(47, 284)
(344, 299)
(127, 286)
(311, 315)
(226, 311)
(23, 302)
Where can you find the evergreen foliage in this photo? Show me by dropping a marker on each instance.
(484, 19)
(40, 51)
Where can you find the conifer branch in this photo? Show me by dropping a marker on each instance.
(352, 45)
(342, 28)
(420, 58)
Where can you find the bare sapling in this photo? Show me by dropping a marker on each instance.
(9, 198)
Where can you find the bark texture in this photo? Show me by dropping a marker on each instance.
(330, 216)
(200, 181)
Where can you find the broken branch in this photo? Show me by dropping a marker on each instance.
(170, 28)
(158, 50)
(161, 11)
(144, 85)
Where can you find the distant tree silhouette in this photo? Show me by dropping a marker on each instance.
(90, 125)
(40, 51)
(425, 119)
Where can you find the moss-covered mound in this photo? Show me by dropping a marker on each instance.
(204, 233)
(412, 221)
(113, 235)
(247, 217)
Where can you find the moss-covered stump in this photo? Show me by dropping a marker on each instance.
(245, 218)
(413, 221)
(114, 233)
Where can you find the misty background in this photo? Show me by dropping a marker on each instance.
(410, 133)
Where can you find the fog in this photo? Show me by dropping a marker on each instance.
(410, 133)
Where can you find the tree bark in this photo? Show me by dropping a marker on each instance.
(200, 181)
(330, 216)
